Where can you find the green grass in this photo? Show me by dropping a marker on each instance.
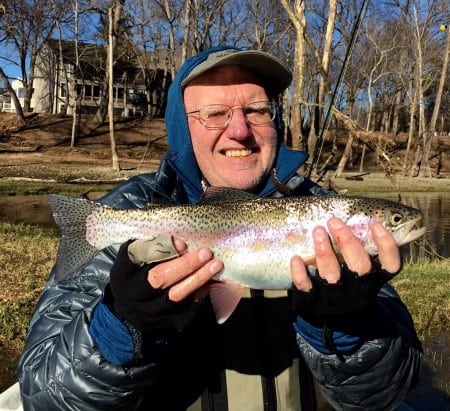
(26, 256)
(379, 183)
(12, 187)
(425, 288)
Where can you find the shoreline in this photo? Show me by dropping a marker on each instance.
(41, 169)
(379, 183)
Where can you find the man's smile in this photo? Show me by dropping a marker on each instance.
(238, 153)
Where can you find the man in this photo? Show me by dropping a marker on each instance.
(127, 332)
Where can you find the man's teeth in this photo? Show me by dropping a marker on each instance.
(238, 153)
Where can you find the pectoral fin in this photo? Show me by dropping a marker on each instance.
(224, 299)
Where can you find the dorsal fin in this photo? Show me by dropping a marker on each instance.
(220, 195)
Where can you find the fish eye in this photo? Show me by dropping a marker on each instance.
(395, 219)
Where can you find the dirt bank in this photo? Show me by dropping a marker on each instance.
(43, 150)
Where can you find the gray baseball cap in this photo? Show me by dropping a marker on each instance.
(274, 74)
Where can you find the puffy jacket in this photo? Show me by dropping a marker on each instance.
(257, 357)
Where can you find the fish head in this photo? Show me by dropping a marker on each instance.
(405, 223)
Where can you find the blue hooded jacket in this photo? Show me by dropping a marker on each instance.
(181, 155)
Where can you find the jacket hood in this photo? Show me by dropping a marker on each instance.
(181, 154)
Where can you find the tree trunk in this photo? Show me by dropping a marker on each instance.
(15, 100)
(297, 17)
(420, 76)
(396, 111)
(186, 30)
(323, 82)
(75, 123)
(126, 110)
(102, 110)
(415, 162)
(412, 114)
(77, 98)
(114, 13)
(363, 155)
(28, 80)
(345, 156)
(425, 168)
(437, 103)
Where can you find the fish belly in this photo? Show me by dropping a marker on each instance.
(261, 259)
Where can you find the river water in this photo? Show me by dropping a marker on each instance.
(436, 212)
(33, 209)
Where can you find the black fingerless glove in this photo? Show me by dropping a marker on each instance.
(136, 303)
(329, 303)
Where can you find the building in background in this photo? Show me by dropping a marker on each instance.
(140, 85)
(6, 105)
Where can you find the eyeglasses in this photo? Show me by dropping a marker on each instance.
(217, 116)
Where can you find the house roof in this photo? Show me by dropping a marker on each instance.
(92, 57)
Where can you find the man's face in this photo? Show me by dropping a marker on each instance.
(240, 155)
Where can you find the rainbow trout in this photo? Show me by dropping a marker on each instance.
(254, 237)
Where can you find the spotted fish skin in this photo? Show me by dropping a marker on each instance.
(254, 237)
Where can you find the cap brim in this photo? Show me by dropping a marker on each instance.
(275, 75)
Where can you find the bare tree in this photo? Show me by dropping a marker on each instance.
(27, 25)
(421, 22)
(72, 95)
(186, 31)
(3, 76)
(374, 75)
(114, 16)
(391, 91)
(12, 93)
(297, 17)
(76, 109)
(323, 87)
(437, 104)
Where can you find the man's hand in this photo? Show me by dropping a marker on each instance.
(152, 295)
(340, 288)
(187, 274)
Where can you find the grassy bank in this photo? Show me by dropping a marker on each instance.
(73, 180)
(351, 183)
(9, 187)
(27, 254)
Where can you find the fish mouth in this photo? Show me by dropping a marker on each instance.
(413, 229)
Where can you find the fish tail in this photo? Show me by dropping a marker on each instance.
(70, 215)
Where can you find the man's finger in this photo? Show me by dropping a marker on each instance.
(352, 251)
(169, 273)
(300, 277)
(326, 260)
(388, 251)
(196, 281)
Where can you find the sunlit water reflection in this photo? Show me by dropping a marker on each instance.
(436, 211)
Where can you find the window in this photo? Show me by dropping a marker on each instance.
(87, 90)
(96, 91)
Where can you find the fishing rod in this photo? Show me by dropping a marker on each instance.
(338, 89)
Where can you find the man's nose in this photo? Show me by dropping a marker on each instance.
(239, 127)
